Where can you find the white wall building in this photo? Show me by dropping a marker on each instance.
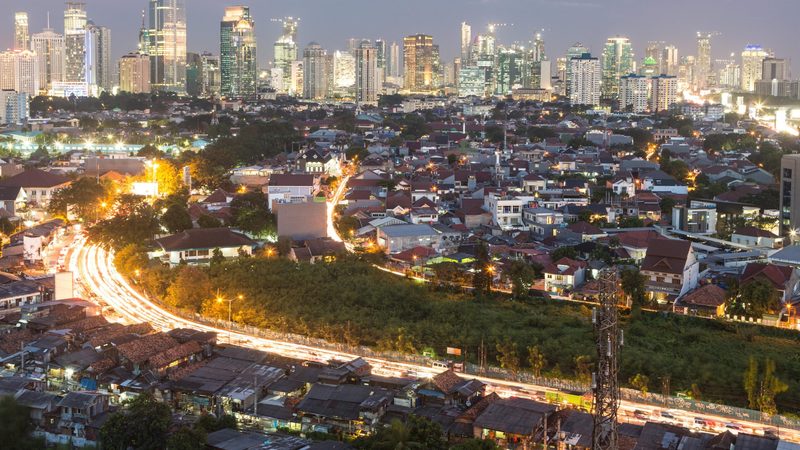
(585, 79)
(633, 93)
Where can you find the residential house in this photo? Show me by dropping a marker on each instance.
(449, 389)
(705, 301)
(659, 181)
(543, 222)
(197, 245)
(506, 211)
(784, 279)
(349, 409)
(532, 183)
(564, 275)
(698, 217)
(291, 188)
(315, 161)
(39, 185)
(18, 293)
(396, 238)
(670, 269)
(77, 410)
(513, 422)
(12, 198)
(756, 237)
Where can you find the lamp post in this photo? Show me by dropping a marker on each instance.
(221, 299)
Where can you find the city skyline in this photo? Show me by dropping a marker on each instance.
(563, 22)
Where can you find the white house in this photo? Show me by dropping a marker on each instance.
(197, 245)
(564, 274)
(756, 237)
(39, 185)
(291, 188)
(670, 269)
(506, 211)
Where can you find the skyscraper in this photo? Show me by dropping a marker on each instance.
(633, 93)
(21, 31)
(585, 80)
(422, 66)
(395, 64)
(19, 71)
(789, 216)
(617, 61)
(576, 51)
(466, 41)
(315, 72)
(380, 47)
(286, 53)
(165, 42)
(237, 52)
(671, 60)
(202, 74)
(344, 72)
(97, 58)
(655, 50)
(775, 79)
(663, 92)
(367, 73)
(134, 73)
(49, 48)
(510, 70)
(75, 42)
(752, 66)
(703, 71)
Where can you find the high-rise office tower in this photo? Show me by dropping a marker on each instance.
(165, 42)
(19, 71)
(510, 69)
(703, 71)
(585, 80)
(775, 79)
(381, 48)
(296, 81)
(344, 72)
(367, 73)
(395, 63)
(13, 107)
(97, 58)
(422, 66)
(633, 93)
(663, 92)
(671, 60)
(315, 72)
(789, 216)
(237, 52)
(617, 61)
(752, 66)
(203, 77)
(730, 74)
(49, 48)
(576, 51)
(75, 42)
(535, 75)
(286, 52)
(134, 73)
(21, 31)
(466, 41)
(655, 50)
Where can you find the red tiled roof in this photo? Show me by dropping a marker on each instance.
(755, 232)
(666, 255)
(708, 295)
(585, 228)
(35, 178)
(636, 239)
(572, 266)
(778, 276)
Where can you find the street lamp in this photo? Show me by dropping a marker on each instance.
(221, 299)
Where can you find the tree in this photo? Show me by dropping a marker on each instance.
(564, 252)
(537, 360)
(190, 289)
(630, 222)
(583, 368)
(176, 219)
(135, 221)
(482, 278)
(476, 444)
(666, 204)
(16, 426)
(216, 257)
(250, 214)
(633, 286)
(209, 424)
(640, 382)
(187, 438)
(207, 221)
(416, 433)
(142, 424)
(84, 198)
(538, 134)
(756, 298)
(507, 356)
(770, 387)
(521, 275)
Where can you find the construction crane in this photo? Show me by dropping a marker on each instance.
(604, 381)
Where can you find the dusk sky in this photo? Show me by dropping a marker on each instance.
(771, 23)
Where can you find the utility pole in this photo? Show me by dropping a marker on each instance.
(604, 380)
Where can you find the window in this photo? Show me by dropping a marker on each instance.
(202, 253)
